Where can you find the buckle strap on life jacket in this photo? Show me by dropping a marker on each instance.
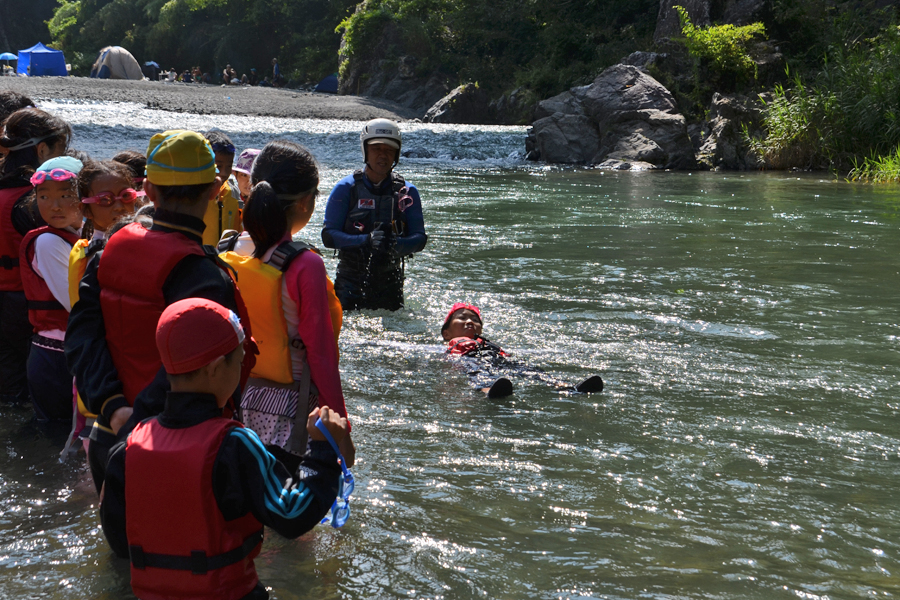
(287, 252)
(95, 246)
(44, 305)
(9, 262)
(198, 562)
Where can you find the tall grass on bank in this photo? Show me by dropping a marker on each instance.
(849, 114)
(878, 169)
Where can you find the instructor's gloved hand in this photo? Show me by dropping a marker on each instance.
(378, 240)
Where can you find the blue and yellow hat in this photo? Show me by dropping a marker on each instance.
(180, 157)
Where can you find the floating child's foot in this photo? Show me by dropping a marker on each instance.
(590, 385)
(501, 388)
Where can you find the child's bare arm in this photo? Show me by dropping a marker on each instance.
(335, 423)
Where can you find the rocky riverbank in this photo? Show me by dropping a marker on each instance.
(210, 99)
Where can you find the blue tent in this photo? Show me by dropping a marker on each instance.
(39, 60)
(329, 85)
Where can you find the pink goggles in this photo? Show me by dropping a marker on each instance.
(40, 177)
(108, 199)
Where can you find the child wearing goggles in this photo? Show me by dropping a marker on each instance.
(106, 194)
(106, 197)
(485, 361)
(44, 258)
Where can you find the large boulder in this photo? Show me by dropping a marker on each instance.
(724, 146)
(467, 104)
(625, 116)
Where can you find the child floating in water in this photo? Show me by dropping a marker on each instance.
(462, 330)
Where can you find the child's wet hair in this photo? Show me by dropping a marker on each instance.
(184, 193)
(23, 126)
(95, 169)
(145, 221)
(283, 173)
(216, 137)
(11, 101)
(134, 160)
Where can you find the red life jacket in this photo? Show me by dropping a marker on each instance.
(10, 241)
(473, 346)
(179, 542)
(133, 268)
(44, 310)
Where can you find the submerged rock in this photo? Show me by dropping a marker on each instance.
(624, 115)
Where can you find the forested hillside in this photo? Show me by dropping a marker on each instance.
(22, 23)
(207, 33)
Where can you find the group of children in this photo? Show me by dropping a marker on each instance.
(206, 379)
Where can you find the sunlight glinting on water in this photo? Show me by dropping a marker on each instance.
(745, 444)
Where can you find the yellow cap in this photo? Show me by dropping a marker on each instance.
(179, 157)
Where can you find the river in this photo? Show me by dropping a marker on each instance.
(746, 445)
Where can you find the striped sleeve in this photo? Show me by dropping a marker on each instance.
(283, 499)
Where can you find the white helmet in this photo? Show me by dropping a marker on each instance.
(383, 130)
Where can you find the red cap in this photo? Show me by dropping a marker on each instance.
(194, 332)
(460, 306)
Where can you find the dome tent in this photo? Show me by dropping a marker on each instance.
(329, 85)
(115, 62)
(39, 61)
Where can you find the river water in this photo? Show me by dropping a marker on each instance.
(746, 444)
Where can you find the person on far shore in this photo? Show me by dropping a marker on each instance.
(224, 212)
(254, 78)
(374, 219)
(277, 79)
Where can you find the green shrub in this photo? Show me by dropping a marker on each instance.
(850, 117)
(724, 46)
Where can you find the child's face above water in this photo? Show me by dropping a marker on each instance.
(463, 323)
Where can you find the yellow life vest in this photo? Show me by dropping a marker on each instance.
(222, 213)
(78, 260)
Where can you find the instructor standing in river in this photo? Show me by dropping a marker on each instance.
(374, 219)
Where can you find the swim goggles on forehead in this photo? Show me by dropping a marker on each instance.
(40, 177)
(108, 198)
(227, 148)
(340, 510)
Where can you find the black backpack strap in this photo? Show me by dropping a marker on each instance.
(397, 182)
(94, 247)
(287, 252)
(212, 254)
